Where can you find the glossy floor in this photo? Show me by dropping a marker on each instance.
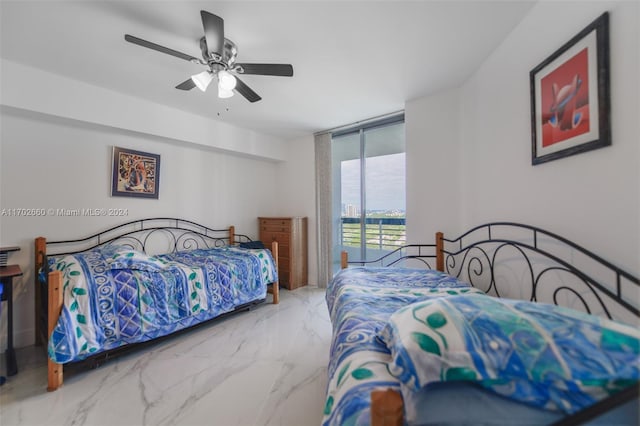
(263, 367)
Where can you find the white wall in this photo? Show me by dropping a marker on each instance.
(32, 89)
(296, 192)
(592, 198)
(433, 169)
(55, 152)
(49, 162)
(469, 149)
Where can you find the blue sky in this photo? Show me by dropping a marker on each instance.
(386, 189)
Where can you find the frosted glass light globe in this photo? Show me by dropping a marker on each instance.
(226, 81)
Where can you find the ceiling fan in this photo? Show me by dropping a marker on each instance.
(219, 56)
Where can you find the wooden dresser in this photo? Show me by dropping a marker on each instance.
(291, 235)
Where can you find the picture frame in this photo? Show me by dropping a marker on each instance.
(570, 96)
(135, 173)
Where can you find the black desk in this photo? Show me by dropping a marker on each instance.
(7, 274)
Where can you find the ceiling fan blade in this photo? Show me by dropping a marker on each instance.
(213, 32)
(149, 45)
(246, 91)
(281, 70)
(186, 85)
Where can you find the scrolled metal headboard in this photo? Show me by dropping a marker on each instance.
(562, 268)
(421, 254)
(179, 234)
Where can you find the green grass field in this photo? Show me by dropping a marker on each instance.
(377, 236)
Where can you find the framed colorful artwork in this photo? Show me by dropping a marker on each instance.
(570, 99)
(135, 173)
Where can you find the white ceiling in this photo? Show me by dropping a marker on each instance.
(352, 60)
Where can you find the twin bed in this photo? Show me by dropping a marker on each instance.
(141, 281)
(515, 325)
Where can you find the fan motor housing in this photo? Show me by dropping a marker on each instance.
(229, 54)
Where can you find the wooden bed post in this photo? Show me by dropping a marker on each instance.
(54, 373)
(440, 251)
(54, 307)
(344, 260)
(40, 250)
(232, 235)
(275, 287)
(386, 408)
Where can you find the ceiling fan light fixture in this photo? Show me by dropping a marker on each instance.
(223, 93)
(202, 80)
(219, 56)
(226, 80)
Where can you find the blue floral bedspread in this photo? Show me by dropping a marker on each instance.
(421, 327)
(546, 356)
(114, 296)
(360, 302)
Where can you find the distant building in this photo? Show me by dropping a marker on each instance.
(351, 211)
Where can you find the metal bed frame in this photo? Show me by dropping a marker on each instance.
(479, 257)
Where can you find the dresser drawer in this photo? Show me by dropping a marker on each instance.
(276, 223)
(283, 250)
(283, 277)
(283, 263)
(269, 236)
(275, 228)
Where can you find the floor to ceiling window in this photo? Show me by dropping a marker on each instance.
(368, 170)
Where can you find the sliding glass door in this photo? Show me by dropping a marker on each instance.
(368, 169)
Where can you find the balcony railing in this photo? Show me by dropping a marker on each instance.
(380, 233)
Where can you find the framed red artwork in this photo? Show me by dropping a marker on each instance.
(570, 100)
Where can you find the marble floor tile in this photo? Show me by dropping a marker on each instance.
(299, 390)
(267, 366)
